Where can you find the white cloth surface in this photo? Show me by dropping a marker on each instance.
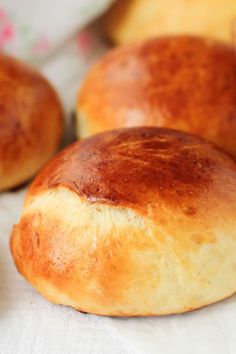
(211, 330)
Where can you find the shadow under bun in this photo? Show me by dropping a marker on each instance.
(31, 122)
(131, 222)
(181, 82)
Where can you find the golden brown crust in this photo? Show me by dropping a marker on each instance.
(181, 82)
(31, 122)
(134, 222)
(138, 166)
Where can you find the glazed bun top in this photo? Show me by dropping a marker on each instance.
(144, 168)
(180, 82)
(31, 121)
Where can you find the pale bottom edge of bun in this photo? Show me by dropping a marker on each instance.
(63, 300)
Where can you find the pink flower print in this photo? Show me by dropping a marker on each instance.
(41, 45)
(7, 30)
(84, 42)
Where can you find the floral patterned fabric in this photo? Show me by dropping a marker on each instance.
(33, 30)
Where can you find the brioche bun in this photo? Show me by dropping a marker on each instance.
(31, 122)
(132, 222)
(184, 83)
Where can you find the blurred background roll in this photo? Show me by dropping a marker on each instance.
(31, 122)
(132, 20)
(180, 82)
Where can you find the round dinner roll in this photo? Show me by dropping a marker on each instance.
(185, 83)
(131, 222)
(31, 122)
(133, 20)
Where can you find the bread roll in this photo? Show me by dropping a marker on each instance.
(31, 122)
(132, 222)
(185, 83)
(133, 20)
